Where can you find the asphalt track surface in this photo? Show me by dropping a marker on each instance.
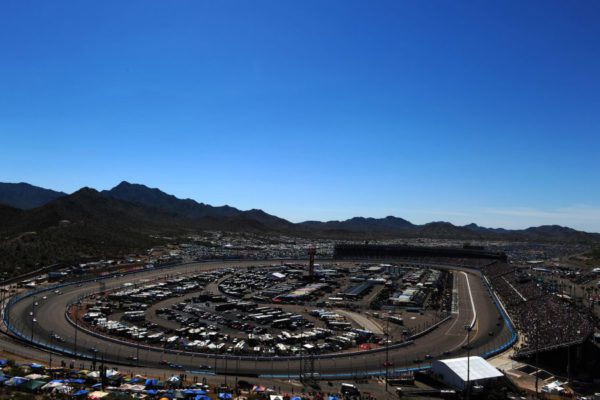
(488, 332)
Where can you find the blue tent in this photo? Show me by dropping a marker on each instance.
(333, 398)
(36, 366)
(202, 397)
(16, 381)
(151, 382)
(200, 391)
(82, 392)
(3, 363)
(296, 398)
(135, 380)
(224, 396)
(78, 381)
(152, 392)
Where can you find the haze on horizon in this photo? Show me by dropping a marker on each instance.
(457, 111)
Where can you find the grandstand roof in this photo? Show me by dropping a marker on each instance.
(454, 370)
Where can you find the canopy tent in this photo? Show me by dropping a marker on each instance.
(111, 373)
(151, 382)
(53, 384)
(456, 371)
(56, 387)
(97, 395)
(63, 389)
(15, 381)
(36, 376)
(137, 388)
(32, 385)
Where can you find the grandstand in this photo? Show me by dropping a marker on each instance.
(546, 321)
(367, 251)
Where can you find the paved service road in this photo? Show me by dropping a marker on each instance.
(362, 320)
(488, 332)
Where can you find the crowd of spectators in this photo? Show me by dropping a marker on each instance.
(510, 297)
(526, 287)
(549, 322)
(496, 269)
(545, 320)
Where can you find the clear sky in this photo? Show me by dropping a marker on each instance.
(479, 111)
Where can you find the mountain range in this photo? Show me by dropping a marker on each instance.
(26, 196)
(139, 210)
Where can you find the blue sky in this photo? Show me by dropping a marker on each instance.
(474, 111)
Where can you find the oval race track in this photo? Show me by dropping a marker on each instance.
(474, 305)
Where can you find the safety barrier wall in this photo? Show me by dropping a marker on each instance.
(49, 346)
(67, 351)
(70, 352)
(498, 350)
(507, 320)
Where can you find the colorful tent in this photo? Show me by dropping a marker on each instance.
(97, 395)
(16, 381)
(32, 385)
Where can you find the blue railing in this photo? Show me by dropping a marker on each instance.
(513, 339)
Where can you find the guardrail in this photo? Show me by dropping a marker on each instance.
(347, 375)
(48, 346)
(498, 350)
(507, 320)
(70, 352)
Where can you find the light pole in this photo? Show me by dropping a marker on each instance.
(137, 350)
(537, 358)
(76, 329)
(237, 369)
(387, 352)
(468, 328)
(226, 357)
(50, 352)
(32, 317)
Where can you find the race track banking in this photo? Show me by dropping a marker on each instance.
(489, 332)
